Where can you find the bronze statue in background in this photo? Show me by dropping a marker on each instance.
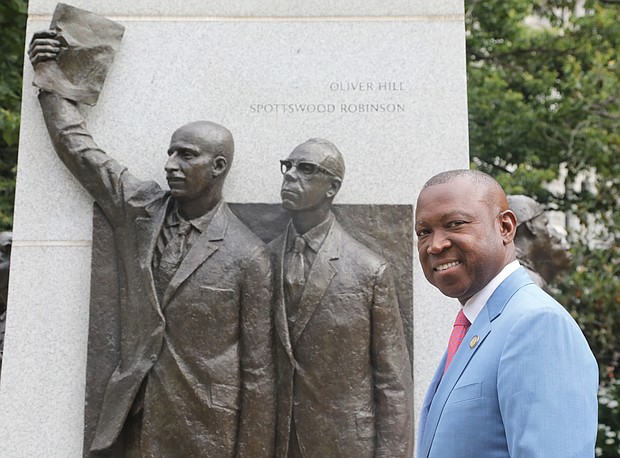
(540, 247)
(6, 242)
(344, 383)
(196, 371)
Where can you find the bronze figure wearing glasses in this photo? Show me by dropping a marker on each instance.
(343, 372)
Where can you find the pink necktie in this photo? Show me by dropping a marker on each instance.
(461, 325)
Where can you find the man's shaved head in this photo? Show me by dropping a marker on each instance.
(489, 189)
(216, 136)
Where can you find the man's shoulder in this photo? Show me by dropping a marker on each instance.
(277, 244)
(520, 287)
(146, 194)
(529, 300)
(239, 234)
(354, 250)
(533, 299)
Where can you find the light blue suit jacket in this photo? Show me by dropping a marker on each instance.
(522, 384)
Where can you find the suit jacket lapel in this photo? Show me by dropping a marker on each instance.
(202, 248)
(147, 233)
(281, 322)
(481, 328)
(319, 278)
(148, 228)
(500, 297)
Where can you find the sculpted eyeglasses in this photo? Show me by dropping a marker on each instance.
(306, 168)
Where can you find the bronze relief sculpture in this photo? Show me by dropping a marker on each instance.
(196, 373)
(221, 353)
(344, 377)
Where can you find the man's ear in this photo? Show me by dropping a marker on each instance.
(508, 226)
(220, 165)
(334, 187)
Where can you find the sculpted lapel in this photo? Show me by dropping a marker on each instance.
(200, 251)
(281, 323)
(321, 274)
(147, 232)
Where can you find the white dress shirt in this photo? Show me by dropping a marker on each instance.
(474, 305)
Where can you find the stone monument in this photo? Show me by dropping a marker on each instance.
(385, 82)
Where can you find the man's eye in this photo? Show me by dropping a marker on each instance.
(422, 232)
(306, 168)
(456, 223)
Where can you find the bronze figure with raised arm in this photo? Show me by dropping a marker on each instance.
(196, 371)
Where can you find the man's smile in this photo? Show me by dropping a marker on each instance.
(446, 266)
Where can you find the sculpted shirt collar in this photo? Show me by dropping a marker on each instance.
(314, 237)
(170, 229)
(474, 305)
(200, 224)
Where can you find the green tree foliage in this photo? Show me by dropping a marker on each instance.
(544, 105)
(543, 82)
(13, 26)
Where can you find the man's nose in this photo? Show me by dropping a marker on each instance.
(291, 174)
(172, 163)
(438, 242)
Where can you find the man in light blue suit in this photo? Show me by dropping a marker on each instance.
(524, 382)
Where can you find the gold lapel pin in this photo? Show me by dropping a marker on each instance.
(474, 342)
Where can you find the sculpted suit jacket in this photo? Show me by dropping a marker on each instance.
(344, 375)
(526, 389)
(206, 349)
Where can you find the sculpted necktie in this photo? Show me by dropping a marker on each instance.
(172, 256)
(295, 277)
(461, 325)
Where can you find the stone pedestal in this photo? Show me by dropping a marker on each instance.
(385, 81)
